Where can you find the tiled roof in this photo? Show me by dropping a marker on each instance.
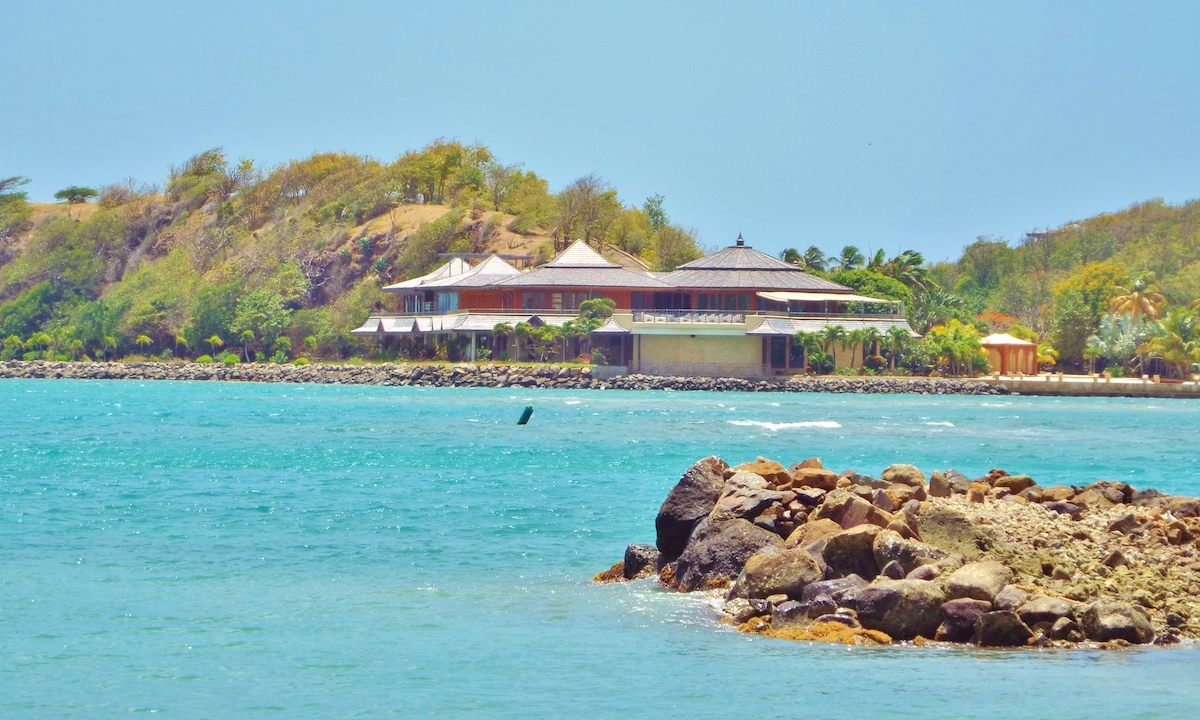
(458, 274)
(611, 276)
(793, 279)
(790, 326)
(738, 257)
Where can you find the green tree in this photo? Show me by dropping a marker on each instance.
(247, 337)
(262, 313)
(75, 194)
(653, 207)
(181, 341)
(1073, 321)
(214, 342)
(108, 344)
(76, 347)
(142, 342)
(809, 343)
(898, 339)
(673, 247)
(850, 258)
(1176, 340)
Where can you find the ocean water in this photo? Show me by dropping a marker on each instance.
(242, 550)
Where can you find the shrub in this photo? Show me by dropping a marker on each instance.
(204, 359)
(230, 359)
(380, 265)
(300, 361)
(364, 244)
(279, 358)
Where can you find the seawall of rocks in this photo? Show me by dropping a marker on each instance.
(476, 375)
(1000, 561)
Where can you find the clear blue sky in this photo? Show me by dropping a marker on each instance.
(900, 124)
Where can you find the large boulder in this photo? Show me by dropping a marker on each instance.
(852, 552)
(952, 531)
(814, 478)
(1010, 598)
(891, 546)
(692, 498)
(745, 495)
(717, 552)
(959, 616)
(904, 609)
(772, 471)
(979, 580)
(939, 486)
(1045, 609)
(834, 589)
(1001, 628)
(904, 475)
(1107, 619)
(812, 533)
(640, 561)
(1014, 483)
(849, 510)
(780, 571)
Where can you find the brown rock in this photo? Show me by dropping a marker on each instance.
(1177, 533)
(939, 486)
(689, 501)
(881, 500)
(717, 552)
(815, 478)
(849, 510)
(785, 571)
(1002, 628)
(977, 492)
(1106, 620)
(1116, 559)
(771, 471)
(1055, 493)
(952, 531)
(959, 616)
(852, 552)
(1092, 499)
(979, 580)
(904, 609)
(904, 475)
(1014, 483)
(811, 533)
(810, 463)
(810, 497)
(1125, 524)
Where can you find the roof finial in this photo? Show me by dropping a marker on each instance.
(740, 241)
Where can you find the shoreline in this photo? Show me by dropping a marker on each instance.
(493, 375)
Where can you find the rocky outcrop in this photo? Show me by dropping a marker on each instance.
(692, 499)
(991, 561)
(481, 374)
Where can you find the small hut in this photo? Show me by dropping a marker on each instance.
(1009, 355)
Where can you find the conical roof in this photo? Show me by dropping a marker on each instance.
(742, 267)
(579, 255)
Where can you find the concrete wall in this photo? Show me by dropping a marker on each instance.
(701, 355)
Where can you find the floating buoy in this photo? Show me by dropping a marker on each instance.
(526, 415)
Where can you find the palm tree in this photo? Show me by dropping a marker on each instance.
(792, 256)
(856, 337)
(1140, 298)
(247, 338)
(850, 258)
(108, 342)
(954, 343)
(1092, 351)
(909, 268)
(814, 259)
(897, 338)
(180, 340)
(877, 261)
(870, 337)
(503, 330)
(937, 307)
(215, 342)
(809, 343)
(833, 334)
(143, 342)
(1176, 340)
(76, 348)
(1046, 355)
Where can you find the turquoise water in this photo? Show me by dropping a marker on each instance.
(239, 550)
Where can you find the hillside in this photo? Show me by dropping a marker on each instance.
(298, 251)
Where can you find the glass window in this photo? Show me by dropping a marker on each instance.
(533, 300)
(637, 301)
(412, 303)
(731, 302)
(743, 302)
(556, 300)
(447, 301)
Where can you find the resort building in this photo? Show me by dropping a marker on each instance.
(733, 313)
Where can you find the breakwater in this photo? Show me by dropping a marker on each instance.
(477, 375)
(809, 554)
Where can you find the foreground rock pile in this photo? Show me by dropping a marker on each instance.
(807, 553)
(475, 375)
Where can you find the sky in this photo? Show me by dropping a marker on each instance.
(897, 125)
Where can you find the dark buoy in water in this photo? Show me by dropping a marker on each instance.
(526, 415)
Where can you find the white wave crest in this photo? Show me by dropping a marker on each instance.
(943, 424)
(775, 427)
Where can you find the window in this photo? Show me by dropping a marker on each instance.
(447, 301)
(533, 300)
(637, 301)
(412, 303)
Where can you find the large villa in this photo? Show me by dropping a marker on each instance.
(733, 313)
